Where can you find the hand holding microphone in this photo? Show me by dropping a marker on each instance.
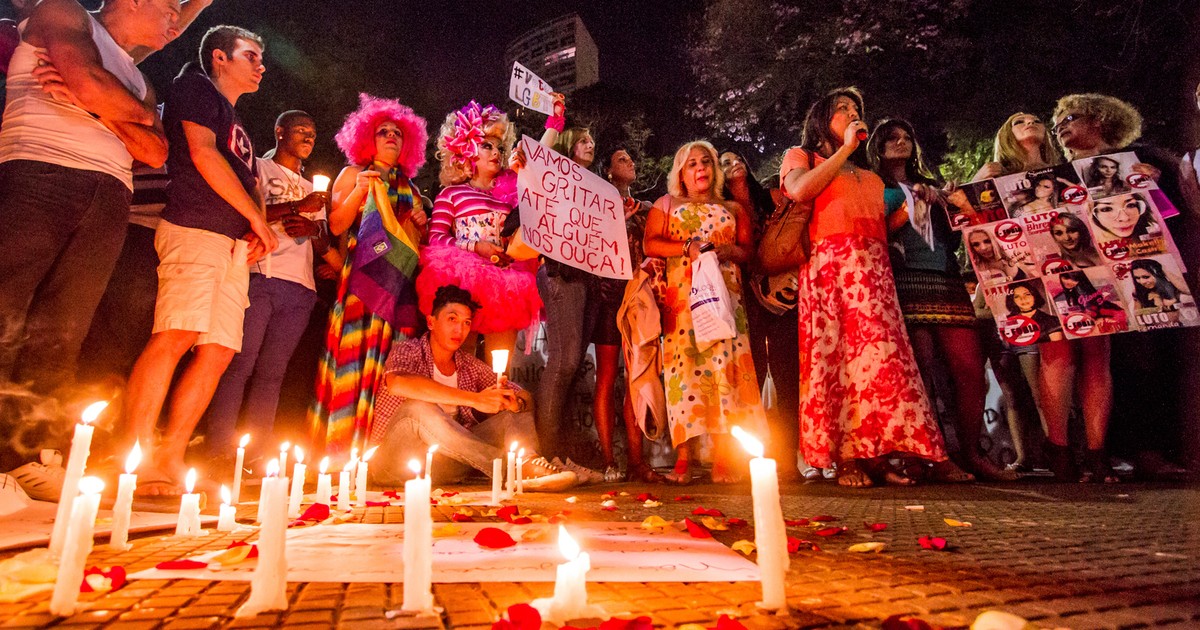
(856, 132)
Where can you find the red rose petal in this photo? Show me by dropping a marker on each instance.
(901, 622)
(461, 518)
(507, 512)
(253, 548)
(494, 538)
(315, 512)
(175, 565)
(794, 544)
(830, 531)
(612, 494)
(729, 623)
(115, 575)
(702, 511)
(333, 499)
(391, 494)
(684, 497)
(936, 543)
(696, 530)
(875, 527)
(824, 518)
(796, 522)
(524, 617)
(646, 496)
(609, 508)
(735, 522)
(378, 503)
(449, 494)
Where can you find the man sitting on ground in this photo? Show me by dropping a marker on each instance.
(436, 393)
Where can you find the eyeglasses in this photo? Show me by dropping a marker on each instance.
(1066, 120)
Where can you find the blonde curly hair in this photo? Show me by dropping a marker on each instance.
(457, 168)
(675, 185)
(1120, 123)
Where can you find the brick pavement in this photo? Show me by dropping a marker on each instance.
(1059, 555)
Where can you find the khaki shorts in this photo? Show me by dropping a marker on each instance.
(203, 282)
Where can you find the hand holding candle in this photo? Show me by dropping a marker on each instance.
(123, 508)
(320, 183)
(499, 364)
(770, 535)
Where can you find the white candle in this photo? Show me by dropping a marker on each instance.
(320, 183)
(497, 480)
(237, 469)
(81, 445)
(520, 475)
(123, 508)
(770, 535)
(360, 479)
(499, 363)
(77, 546)
(324, 483)
(353, 471)
(189, 509)
(268, 586)
(418, 543)
(570, 585)
(283, 449)
(510, 479)
(343, 503)
(227, 521)
(297, 495)
(429, 460)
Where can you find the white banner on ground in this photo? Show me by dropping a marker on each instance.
(571, 214)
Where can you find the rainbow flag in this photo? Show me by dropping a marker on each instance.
(384, 263)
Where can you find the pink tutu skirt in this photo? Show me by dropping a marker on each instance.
(508, 295)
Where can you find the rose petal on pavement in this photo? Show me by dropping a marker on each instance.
(494, 538)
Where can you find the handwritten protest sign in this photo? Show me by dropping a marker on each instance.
(529, 90)
(571, 214)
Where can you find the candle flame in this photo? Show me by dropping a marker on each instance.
(369, 453)
(521, 454)
(91, 485)
(135, 458)
(567, 545)
(190, 481)
(414, 466)
(433, 449)
(324, 464)
(749, 442)
(354, 454)
(299, 453)
(284, 447)
(273, 468)
(244, 441)
(349, 467)
(513, 447)
(499, 361)
(225, 496)
(320, 183)
(93, 411)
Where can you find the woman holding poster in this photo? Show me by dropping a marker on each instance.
(1022, 144)
(709, 389)
(861, 394)
(465, 246)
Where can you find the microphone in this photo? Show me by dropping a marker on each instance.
(862, 135)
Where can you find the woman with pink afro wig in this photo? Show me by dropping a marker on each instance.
(384, 143)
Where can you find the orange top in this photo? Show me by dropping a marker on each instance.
(850, 204)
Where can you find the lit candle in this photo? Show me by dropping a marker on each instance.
(226, 522)
(283, 449)
(268, 586)
(77, 546)
(189, 509)
(360, 479)
(237, 469)
(570, 585)
(429, 460)
(499, 363)
(123, 507)
(324, 483)
(343, 504)
(81, 445)
(510, 483)
(770, 536)
(418, 543)
(353, 471)
(320, 183)
(520, 475)
(497, 480)
(297, 495)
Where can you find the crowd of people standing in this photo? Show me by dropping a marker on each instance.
(871, 325)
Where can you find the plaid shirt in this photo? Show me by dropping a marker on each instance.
(415, 356)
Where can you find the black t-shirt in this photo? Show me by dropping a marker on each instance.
(191, 202)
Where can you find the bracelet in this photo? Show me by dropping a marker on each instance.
(687, 247)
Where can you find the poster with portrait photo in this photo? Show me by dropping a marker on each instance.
(1024, 315)
(1128, 226)
(999, 252)
(1040, 190)
(1114, 174)
(1088, 302)
(1060, 240)
(976, 203)
(1158, 296)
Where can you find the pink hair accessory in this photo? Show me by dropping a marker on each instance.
(470, 125)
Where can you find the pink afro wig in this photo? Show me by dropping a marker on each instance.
(357, 136)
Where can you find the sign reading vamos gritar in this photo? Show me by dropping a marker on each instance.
(1077, 250)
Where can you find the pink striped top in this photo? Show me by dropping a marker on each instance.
(464, 215)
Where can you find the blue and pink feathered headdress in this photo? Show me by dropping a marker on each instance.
(357, 136)
(468, 131)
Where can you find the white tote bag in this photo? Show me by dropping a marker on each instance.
(712, 310)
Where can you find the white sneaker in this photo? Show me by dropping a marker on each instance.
(586, 475)
(39, 481)
(539, 475)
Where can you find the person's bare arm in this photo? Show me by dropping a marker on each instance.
(349, 190)
(738, 251)
(146, 143)
(188, 12)
(202, 146)
(62, 28)
(803, 184)
(423, 388)
(655, 242)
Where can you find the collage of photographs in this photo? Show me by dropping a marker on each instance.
(1077, 250)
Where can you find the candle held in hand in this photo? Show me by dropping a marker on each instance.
(320, 183)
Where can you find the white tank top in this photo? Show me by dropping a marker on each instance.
(37, 127)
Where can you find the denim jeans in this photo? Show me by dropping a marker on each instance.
(565, 304)
(275, 320)
(417, 425)
(125, 317)
(62, 232)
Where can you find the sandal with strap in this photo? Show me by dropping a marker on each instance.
(1097, 468)
(851, 475)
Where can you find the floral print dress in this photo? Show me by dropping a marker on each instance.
(712, 390)
(861, 395)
